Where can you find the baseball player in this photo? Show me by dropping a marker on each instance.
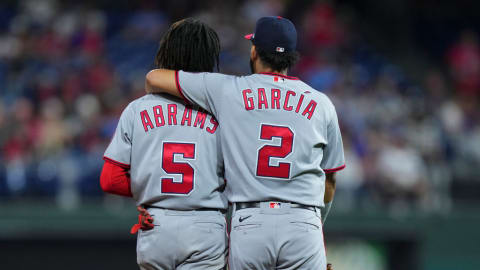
(165, 154)
(281, 145)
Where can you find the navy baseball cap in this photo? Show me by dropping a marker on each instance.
(274, 34)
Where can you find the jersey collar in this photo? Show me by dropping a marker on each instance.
(279, 75)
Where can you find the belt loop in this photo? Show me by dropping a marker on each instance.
(234, 208)
(318, 212)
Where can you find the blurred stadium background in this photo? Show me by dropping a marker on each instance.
(404, 76)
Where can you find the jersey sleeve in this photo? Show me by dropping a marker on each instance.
(333, 156)
(203, 89)
(120, 148)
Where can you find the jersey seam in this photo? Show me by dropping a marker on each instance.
(179, 88)
(211, 105)
(131, 125)
(120, 164)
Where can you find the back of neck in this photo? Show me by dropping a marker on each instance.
(269, 70)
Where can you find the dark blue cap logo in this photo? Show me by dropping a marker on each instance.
(274, 34)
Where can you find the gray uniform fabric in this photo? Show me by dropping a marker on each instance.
(193, 240)
(300, 114)
(168, 145)
(280, 238)
(175, 163)
(279, 139)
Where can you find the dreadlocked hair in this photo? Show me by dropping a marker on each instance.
(189, 45)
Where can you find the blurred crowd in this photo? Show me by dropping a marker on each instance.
(67, 72)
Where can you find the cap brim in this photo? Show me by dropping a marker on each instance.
(249, 36)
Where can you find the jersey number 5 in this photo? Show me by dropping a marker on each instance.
(187, 150)
(282, 170)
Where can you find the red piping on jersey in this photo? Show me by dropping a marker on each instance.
(179, 88)
(120, 164)
(334, 169)
(279, 75)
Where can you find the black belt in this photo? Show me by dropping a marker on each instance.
(198, 209)
(243, 205)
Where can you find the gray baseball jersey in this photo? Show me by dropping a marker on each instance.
(279, 135)
(173, 154)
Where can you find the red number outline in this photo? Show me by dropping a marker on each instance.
(283, 169)
(169, 166)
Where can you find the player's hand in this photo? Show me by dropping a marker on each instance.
(329, 266)
(145, 221)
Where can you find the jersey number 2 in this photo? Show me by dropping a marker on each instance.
(282, 170)
(187, 150)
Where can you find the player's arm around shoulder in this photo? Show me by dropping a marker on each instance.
(162, 81)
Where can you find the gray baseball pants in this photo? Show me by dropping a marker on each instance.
(278, 237)
(183, 240)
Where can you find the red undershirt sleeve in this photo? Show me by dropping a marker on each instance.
(115, 179)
